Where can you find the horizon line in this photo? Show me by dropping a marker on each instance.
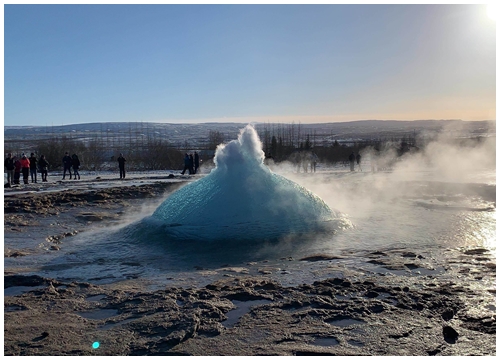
(218, 121)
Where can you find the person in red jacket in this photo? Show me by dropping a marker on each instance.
(25, 168)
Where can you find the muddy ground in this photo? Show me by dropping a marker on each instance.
(450, 313)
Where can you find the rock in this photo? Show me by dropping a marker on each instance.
(409, 254)
(21, 280)
(450, 335)
(268, 270)
(55, 248)
(9, 253)
(478, 251)
(320, 257)
(371, 294)
(448, 315)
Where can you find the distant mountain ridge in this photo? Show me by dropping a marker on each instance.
(180, 132)
(385, 123)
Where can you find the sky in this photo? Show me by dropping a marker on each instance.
(69, 64)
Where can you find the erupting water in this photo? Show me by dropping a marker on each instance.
(242, 199)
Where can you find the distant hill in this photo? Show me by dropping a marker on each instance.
(178, 134)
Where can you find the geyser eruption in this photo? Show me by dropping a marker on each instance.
(241, 199)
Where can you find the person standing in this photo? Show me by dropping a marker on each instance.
(191, 164)
(314, 161)
(17, 170)
(44, 167)
(67, 161)
(9, 166)
(358, 161)
(186, 164)
(352, 157)
(121, 165)
(25, 168)
(75, 162)
(196, 162)
(33, 162)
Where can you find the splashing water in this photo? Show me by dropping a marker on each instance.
(241, 199)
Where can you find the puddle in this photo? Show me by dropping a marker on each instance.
(300, 309)
(386, 297)
(491, 307)
(242, 307)
(19, 290)
(355, 343)
(112, 325)
(325, 342)
(345, 321)
(342, 297)
(95, 298)
(98, 314)
(179, 303)
(14, 308)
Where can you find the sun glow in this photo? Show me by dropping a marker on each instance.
(492, 10)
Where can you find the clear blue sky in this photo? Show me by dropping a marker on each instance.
(66, 64)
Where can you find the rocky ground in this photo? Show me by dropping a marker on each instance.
(449, 313)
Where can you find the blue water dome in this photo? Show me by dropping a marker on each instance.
(242, 199)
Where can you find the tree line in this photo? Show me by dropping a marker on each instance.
(281, 142)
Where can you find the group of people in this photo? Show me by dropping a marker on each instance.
(26, 166)
(32, 165)
(70, 162)
(356, 158)
(191, 163)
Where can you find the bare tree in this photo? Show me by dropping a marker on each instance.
(214, 139)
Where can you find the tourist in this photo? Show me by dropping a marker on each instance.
(75, 162)
(121, 165)
(186, 164)
(67, 162)
(314, 161)
(44, 167)
(351, 160)
(25, 168)
(33, 161)
(196, 162)
(191, 164)
(9, 166)
(17, 170)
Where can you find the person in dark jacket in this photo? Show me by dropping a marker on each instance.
(358, 161)
(196, 162)
(191, 164)
(75, 162)
(17, 170)
(33, 163)
(186, 164)
(67, 162)
(352, 157)
(121, 165)
(9, 166)
(44, 167)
